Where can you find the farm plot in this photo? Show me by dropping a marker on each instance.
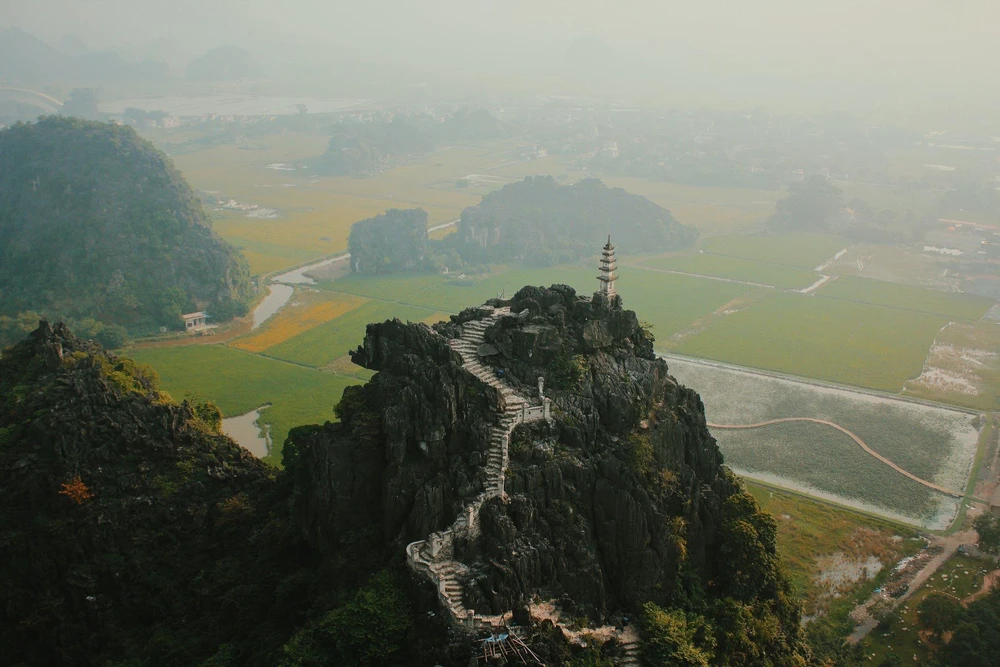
(733, 268)
(954, 305)
(799, 249)
(313, 215)
(936, 444)
(827, 339)
(307, 309)
(823, 546)
(327, 342)
(896, 265)
(238, 382)
(962, 367)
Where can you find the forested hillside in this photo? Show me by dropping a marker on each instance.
(393, 241)
(541, 222)
(96, 223)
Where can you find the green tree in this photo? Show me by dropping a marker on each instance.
(938, 613)
(672, 637)
(891, 660)
(988, 527)
(810, 205)
(368, 630)
(82, 103)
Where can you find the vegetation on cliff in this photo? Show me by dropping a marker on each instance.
(96, 223)
(135, 533)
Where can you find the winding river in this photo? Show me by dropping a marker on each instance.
(282, 286)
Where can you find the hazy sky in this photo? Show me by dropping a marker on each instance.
(916, 45)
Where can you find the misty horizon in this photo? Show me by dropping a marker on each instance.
(880, 59)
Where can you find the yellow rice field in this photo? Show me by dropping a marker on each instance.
(307, 309)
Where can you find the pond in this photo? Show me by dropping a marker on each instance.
(248, 433)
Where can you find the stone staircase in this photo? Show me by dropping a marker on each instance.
(627, 637)
(630, 647)
(434, 557)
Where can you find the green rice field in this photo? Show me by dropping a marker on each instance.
(239, 382)
(827, 339)
(952, 305)
(800, 249)
(325, 343)
(736, 269)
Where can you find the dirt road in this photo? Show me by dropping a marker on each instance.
(949, 545)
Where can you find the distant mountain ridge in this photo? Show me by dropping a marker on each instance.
(95, 222)
(27, 59)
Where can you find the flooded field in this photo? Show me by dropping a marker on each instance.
(934, 444)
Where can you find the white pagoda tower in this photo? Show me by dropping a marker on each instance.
(608, 267)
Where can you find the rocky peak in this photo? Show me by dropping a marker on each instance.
(618, 500)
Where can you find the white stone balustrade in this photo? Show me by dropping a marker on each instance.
(434, 557)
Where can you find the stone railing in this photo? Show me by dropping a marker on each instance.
(434, 557)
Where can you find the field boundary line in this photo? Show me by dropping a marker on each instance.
(870, 514)
(706, 277)
(861, 443)
(801, 379)
(904, 308)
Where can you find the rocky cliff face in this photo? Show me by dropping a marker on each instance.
(135, 533)
(620, 500)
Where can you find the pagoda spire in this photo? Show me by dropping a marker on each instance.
(608, 266)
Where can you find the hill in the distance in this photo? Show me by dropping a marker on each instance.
(97, 223)
(535, 221)
(539, 221)
(225, 63)
(26, 59)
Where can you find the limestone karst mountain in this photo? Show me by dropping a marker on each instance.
(529, 464)
(96, 223)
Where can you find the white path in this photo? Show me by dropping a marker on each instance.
(816, 285)
(434, 556)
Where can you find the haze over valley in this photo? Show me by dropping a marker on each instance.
(511, 333)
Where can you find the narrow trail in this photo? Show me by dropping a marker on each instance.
(861, 443)
(989, 581)
(949, 545)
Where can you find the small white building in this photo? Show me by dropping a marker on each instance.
(195, 321)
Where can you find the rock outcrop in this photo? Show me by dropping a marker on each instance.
(618, 500)
(531, 460)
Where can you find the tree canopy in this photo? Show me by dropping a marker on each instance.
(364, 149)
(96, 223)
(539, 221)
(393, 241)
(811, 205)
